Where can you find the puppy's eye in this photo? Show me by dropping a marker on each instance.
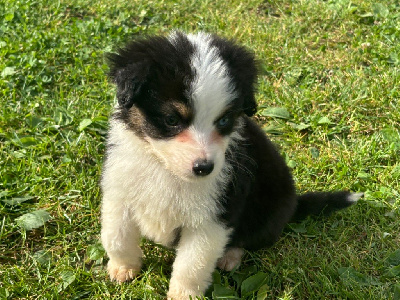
(172, 120)
(224, 121)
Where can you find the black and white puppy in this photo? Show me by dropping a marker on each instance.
(185, 165)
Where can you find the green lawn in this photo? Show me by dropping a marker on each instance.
(329, 97)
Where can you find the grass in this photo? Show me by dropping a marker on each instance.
(329, 97)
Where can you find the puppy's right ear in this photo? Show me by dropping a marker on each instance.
(129, 77)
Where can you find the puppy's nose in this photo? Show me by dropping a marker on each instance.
(203, 167)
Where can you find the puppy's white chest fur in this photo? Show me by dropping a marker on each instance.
(159, 202)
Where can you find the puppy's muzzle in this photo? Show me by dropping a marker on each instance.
(203, 167)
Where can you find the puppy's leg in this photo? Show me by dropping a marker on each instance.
(196, 258)
(120, 237)
(231, 259)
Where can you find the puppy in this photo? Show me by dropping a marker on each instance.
(185, 165)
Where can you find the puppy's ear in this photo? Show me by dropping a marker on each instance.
(128, 75)
(243, 70)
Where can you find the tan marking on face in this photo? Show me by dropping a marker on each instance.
(182, 109)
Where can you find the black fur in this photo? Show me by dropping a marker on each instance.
(322, 203)
(261, 199)
(151, 64)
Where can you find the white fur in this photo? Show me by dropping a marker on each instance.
(141, 197)
(354, 197)
(212, 89)
(196, 258)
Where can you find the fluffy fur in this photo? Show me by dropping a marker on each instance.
(185, 165)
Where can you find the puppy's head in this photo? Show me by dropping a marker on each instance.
(184, 95)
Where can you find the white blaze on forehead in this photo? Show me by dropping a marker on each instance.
(211, 90)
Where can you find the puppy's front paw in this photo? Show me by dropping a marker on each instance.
(181, 292)
(122, 273)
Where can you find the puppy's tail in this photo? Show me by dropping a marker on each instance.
(323, 203)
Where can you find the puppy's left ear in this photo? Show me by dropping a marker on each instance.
(243, 70)
(245, 74)
(250, 105)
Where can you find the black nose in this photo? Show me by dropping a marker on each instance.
(203, 167)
